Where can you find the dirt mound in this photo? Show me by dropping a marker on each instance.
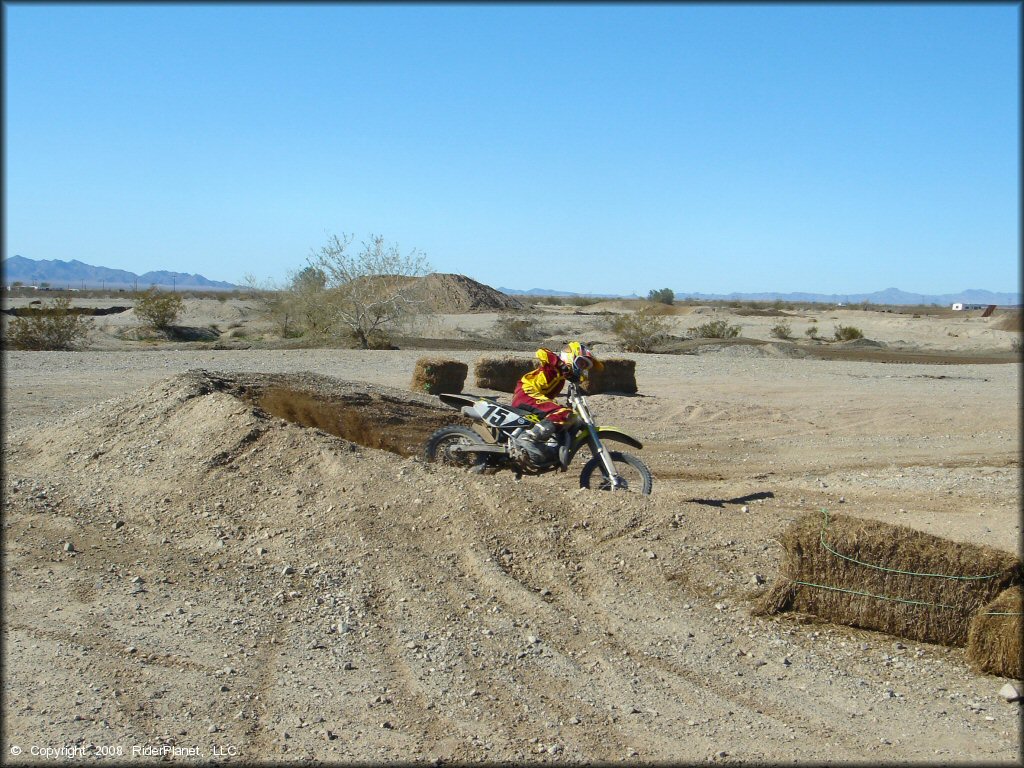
(453, 294)
(1011, 321)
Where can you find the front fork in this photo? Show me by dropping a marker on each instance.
(596, 445)
(606, 459)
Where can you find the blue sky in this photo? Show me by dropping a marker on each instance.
(592, 148)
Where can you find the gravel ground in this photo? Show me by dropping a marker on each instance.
(243, 584)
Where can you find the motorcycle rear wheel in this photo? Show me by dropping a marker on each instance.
(439, 445)
(631, 469)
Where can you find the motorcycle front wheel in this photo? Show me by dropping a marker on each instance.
(439, 447)
(632, 470)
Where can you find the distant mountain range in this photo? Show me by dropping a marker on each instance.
(76, 274)
(889, 296)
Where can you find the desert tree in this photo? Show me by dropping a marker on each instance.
(369, 292)
(663, 296)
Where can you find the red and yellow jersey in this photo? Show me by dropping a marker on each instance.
(544, 382)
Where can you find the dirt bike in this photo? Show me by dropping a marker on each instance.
(465, 447)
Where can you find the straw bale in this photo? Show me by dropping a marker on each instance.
(435, 375)
(889, 578)
(994, 639)
(502, 373)
(618, 375)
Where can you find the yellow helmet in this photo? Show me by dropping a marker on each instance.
(578, 358)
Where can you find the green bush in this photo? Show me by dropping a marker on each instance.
(159, 309)
(664, 296)
(50, 328)
(640, 331)
(715, 329)
(847, 333)
(811, 332)
(782, 331)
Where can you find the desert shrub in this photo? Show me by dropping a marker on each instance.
(782, 331)
(640, 331)
(159, 309)
(515, 327)
(664, 296)
(847, 333)
(715, 329)
(1017, 345)
(49, 328)
(812, 332)
(563, 301)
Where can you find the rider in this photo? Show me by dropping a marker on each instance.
(537, 389)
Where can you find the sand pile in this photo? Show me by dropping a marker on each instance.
(453, 294)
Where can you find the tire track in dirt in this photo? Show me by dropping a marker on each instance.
(695, 686)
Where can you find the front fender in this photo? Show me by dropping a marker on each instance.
(610, 433)
(605, 433)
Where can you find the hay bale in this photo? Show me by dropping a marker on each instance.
(994, 638)
(435, 375)
(617, 375)
(888, 578)
(502, 373)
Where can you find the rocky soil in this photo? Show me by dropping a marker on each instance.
(188, 577)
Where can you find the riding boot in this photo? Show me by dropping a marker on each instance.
(533, 441)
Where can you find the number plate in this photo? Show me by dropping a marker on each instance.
(498, 416)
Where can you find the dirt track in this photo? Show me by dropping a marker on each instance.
(242, 582)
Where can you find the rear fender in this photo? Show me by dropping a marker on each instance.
(457, 401)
